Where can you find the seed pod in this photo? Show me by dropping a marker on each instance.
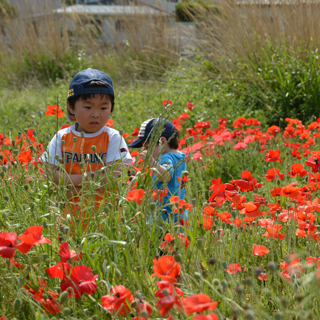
(40, 114)
(4, 216)
(239, 289)
(66, 311)
(278, 315)
(26, 187)
(178, 257)
(94, 148)
(17, 304)
(144, 314)
(48, 137)
(63, 297)
(139, 295)
(249, 314)
(82, 134)
(199, 243)
(247, 281)
(224, 284)
(216, 282)
(235, 310)
(299, 296)
(197, 275)
(6, 197)
(117, 273)
(271, 266)
(166, 292)
(4, 168)
(74, 139)
(211, 261)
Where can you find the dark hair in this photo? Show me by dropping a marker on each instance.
(92, 84)
(173, 141)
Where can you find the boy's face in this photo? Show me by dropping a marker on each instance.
(92, 114)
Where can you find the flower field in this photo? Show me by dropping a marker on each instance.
(250, 249)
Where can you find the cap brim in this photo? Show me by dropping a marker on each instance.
(136, 143)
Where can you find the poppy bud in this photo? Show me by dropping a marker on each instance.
(4, 216)
(299, 296)
(48, 137)
(235, 310)
(67, 311)
(6, 197)
(197, 275)
(239, 289)
(234, 214)
(211, 261)
(45, 256)
(216, 282)
(257, 271)
(4, 168)
(63, 297)
(40, 114)
(74, 139)
(278, 315)
(224, 284)
(144, 314)
(166, 292)
(185, 173)
(247, 306)
(82, 134)
(271, 266)
(199, 243)
(224, 264)
(2, 174)
(94, 148)
(117, 273)
(94, 317)
(178, 257)
(247, 281)
(138, 268)
(26, 187)
(63, 142)
(50, 191)
(17, 304)
(249, 314)
(194, 202)
(283, 301)
(134, 304)
(139, 295)
(1, 157)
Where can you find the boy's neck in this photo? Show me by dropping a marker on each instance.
(167, 149)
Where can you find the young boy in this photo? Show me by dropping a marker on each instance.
(171, 164)
(88, 145)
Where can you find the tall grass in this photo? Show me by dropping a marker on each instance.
(51, 46)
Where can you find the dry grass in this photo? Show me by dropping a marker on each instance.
(47, 46)
(246, 29)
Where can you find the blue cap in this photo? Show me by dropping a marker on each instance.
(77, 85)
(147, 127)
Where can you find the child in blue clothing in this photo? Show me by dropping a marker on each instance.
(168, 161)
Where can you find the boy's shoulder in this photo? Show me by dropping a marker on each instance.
(172, 157)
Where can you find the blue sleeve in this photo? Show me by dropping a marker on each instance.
(166, 162)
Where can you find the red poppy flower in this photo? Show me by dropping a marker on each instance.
(54, 110)
(251, 210)
(160, 194)
(169, 286)
(118, 299)
(167, 103)
(266, 223)
(60, 270)
(81, 280)
(50, 304)
(166, 268)
(65, 126)
(211, 316)
(314, 161)
(240, 145)
(263, 276)
(297, 169)
(259, 250)
(25, 156)
(274, 232)
(234, 268)
(166, 303)
(31, 237)
(290, 191)
(67, 254)
(198, 303)
(190, 106)
(275, 192)
(272, 173)
(135, 195)
(110, 123)
(273, 156)
(8, 242)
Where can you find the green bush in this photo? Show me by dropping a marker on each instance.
(186, 11)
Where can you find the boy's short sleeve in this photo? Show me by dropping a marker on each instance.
(166, 162)
(118, 149)
(53, 149)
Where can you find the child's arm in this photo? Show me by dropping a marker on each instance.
(163, 173)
